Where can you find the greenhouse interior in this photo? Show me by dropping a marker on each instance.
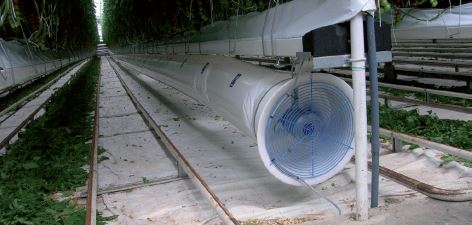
(235, 112)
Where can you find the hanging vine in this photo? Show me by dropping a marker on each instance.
(55, 24)
(128, 21)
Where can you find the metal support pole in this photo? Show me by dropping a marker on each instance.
(397, 145)
(374, 96)
(360, 115)
(427, 97)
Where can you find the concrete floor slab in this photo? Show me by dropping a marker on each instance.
(112, 92)
(110, 85)
(175, 203)
(117, 106)
(412, 211)
(133, 158)
(112, 126)
(134, 153)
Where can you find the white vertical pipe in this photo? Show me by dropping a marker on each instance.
(360, 115)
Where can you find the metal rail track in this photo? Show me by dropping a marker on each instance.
(91, 211)
(225, 215)
(31, 116)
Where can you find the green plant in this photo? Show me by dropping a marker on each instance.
(54, 24)
(126, 22)
(450, 132)
(48, 157)
(449, 158)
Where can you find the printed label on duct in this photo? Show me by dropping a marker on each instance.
(233, 82)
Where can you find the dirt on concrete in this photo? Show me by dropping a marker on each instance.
(413, 211)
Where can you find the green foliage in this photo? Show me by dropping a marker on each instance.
(451, 100)
(48, 156)
(402, 8)
(451, 132)
(449, 158)
(55, 24)
(128, 21)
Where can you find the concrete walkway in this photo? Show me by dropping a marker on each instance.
(425, 211)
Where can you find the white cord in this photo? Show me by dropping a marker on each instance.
(272, 28)
(301, 181)
(380, 16)
(392, 30)
(211, 11)
(319, 194)
(208, 220)
(460, 17)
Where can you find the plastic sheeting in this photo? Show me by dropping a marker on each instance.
(20, 63)
(232, 88)
(455, 22)
(277, 31)
(289, 20)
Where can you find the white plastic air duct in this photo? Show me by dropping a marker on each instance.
(304, 126)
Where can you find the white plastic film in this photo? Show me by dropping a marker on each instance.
(455, 22)
(20, 63)
(231, 87)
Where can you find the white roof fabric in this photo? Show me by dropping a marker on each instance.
(455, 22)
(289, 20)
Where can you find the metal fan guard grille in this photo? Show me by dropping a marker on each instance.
(310, 130)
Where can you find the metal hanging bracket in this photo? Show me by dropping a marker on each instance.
(303, 64)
